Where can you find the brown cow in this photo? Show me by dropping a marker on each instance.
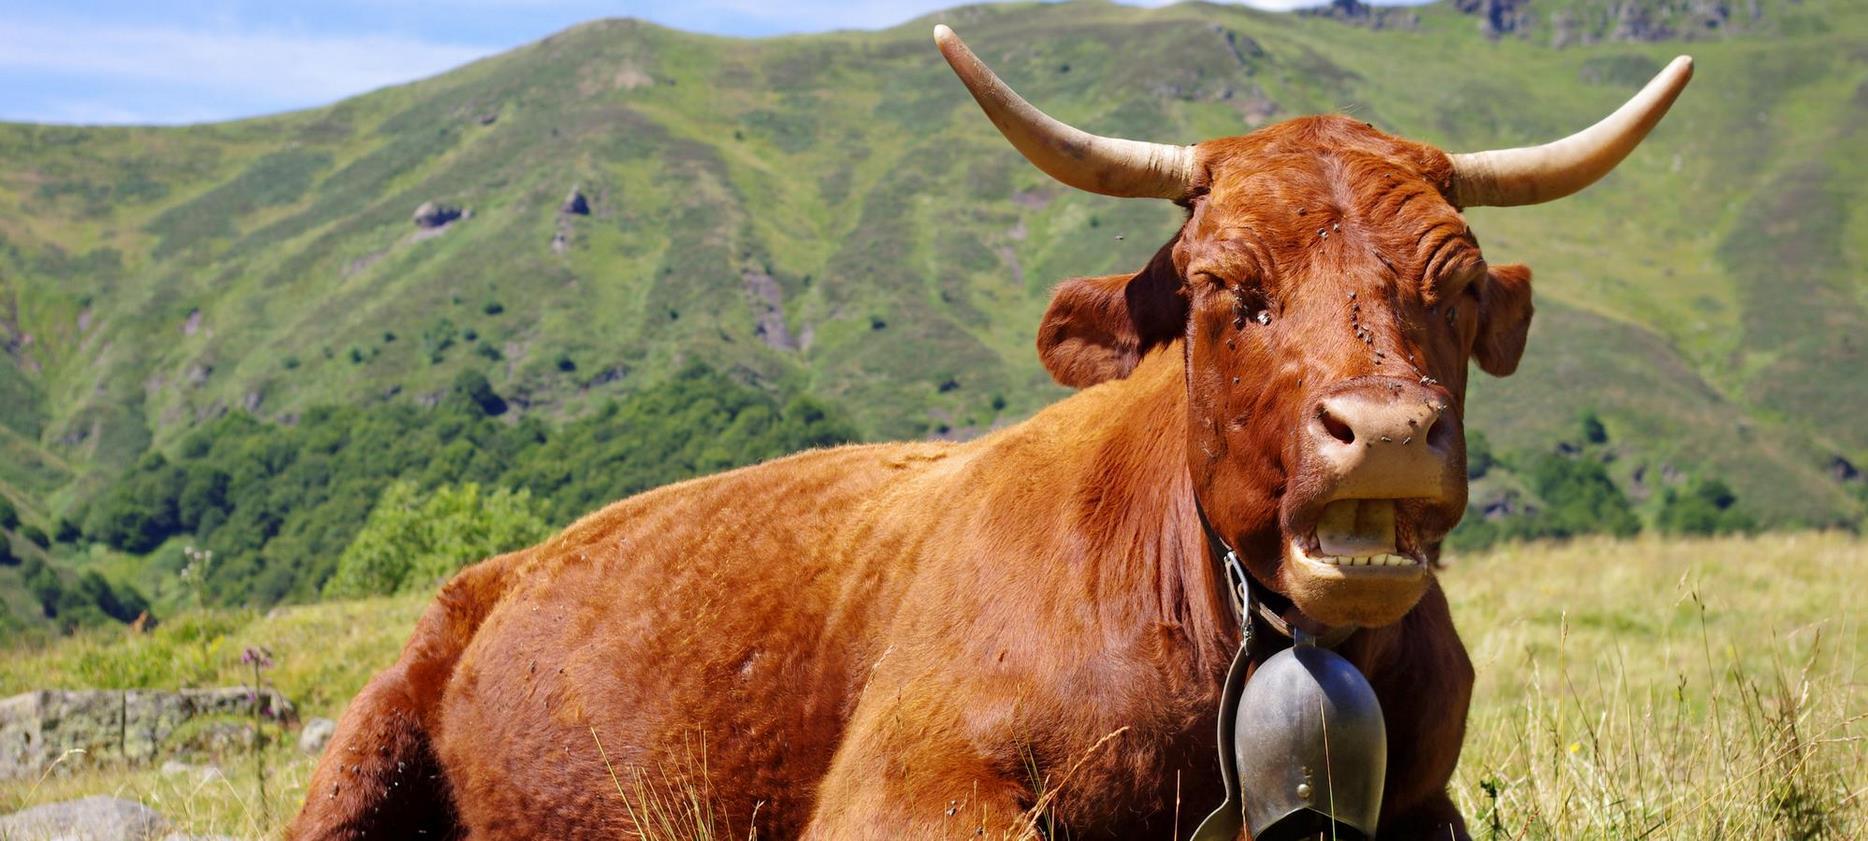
(937, 640)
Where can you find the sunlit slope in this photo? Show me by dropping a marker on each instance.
(832, 212)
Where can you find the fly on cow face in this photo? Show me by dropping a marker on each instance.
(1326, 356)
(1328, 297)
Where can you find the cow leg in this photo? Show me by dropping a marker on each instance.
(1433, 819)
(379, 776)
(907, 771)
(1425, 685)
(886, 800)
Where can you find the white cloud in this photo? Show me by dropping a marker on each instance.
(288, 69)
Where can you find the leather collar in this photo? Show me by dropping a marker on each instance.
(1258, 608)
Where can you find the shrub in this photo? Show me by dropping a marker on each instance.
(278, 505)
(413, 541)
(1707, 506)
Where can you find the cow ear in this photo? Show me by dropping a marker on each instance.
(1098, 328)
(1504, 319)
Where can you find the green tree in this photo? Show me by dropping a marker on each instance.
(1593, 430)
(1579, 498)
(9, 516)
(1704, 506)
(413, 540)
(1479, 456)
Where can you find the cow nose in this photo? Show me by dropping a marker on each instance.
(1384, 438)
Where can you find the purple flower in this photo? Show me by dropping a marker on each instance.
(257, 657)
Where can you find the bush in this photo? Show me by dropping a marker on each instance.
(1579, 498)
(36, 536)
(278, 505)
(1479, 457)
(90, 600)
(9, 516)
(413, 541)
(1706, 506)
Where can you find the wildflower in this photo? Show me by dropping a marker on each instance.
(257, 657)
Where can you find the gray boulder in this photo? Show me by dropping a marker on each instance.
(435, 215)
(90, 819)
(315, 735)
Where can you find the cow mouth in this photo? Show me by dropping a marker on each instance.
(1356, 564)
(1357, 537)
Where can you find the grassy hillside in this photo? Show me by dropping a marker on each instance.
(830, 216)
(1674, 689)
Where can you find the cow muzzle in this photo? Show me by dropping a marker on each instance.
(1380, 477)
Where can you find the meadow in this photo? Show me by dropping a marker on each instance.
(1645, 688)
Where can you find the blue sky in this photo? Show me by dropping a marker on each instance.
(183, 61)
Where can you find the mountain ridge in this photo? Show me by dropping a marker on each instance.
(829, 213)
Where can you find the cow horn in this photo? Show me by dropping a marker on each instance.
(1108, 165)
(1508, 177)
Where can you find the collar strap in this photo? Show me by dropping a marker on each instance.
(1245, 607)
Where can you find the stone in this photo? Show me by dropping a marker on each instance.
(435, 215)
(99, 818)
(315, 735)
(205, 773)
(37, 729)
(575, 204)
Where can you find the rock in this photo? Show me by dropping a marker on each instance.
(206, 773)
(768, 305)
(1498, 17)
(37, 728)
(434, 215)
(215, 739)
(1362, 14)
(90, 819)
(575, 204)
(315, 735)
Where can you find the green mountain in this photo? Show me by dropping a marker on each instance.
(830, 216)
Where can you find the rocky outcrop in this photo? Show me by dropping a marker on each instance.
(768, 309)
(1594, 21)
(75, 728)
(1498, 17)
(1362, 14)
(90, 819)
(575, 204)
(431, 215)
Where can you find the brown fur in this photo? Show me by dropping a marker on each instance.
(923, 640)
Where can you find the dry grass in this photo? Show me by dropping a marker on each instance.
(1667, 689)
(1664, 689)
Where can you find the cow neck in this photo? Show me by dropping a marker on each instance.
(1138, 507)
(1159, 390)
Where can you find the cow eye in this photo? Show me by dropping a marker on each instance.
(1452, 315)
(1249, 304)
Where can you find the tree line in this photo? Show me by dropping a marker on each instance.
(279, 504)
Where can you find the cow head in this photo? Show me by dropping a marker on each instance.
(1327, 295)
